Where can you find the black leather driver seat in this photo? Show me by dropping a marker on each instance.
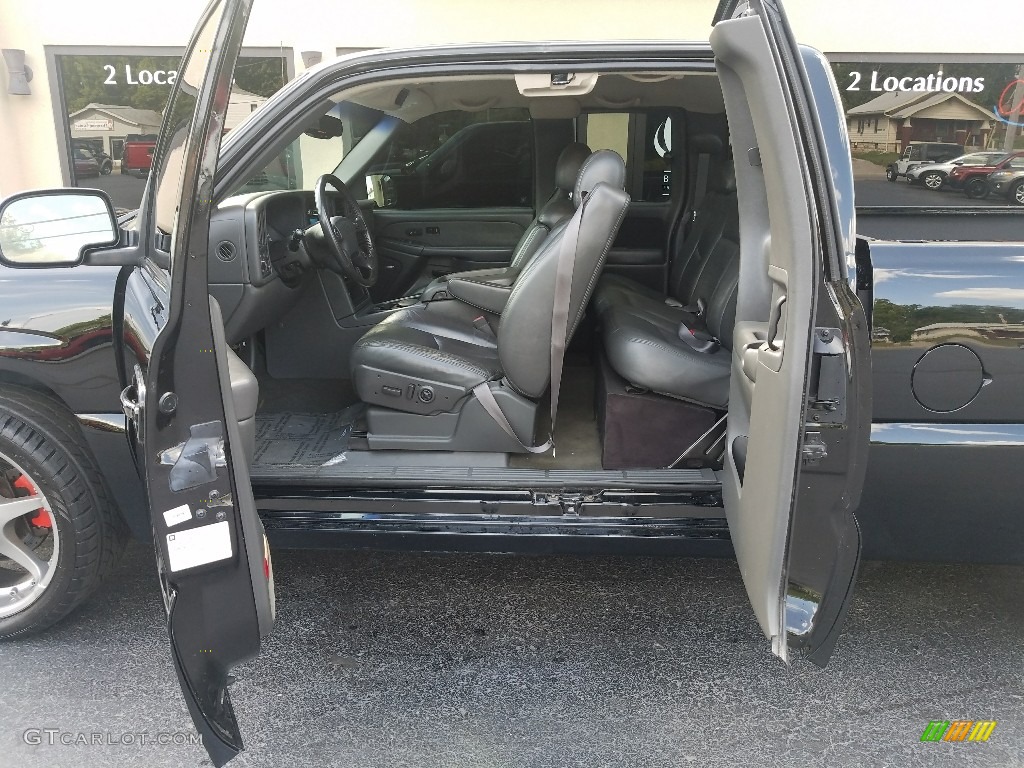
(427, 370)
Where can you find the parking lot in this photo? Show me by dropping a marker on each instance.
(385, 659)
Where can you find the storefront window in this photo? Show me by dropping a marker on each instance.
(934, 134)
(113, 106)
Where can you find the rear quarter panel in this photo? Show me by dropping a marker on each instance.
(943, 477)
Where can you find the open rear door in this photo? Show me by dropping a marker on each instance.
(800, 403)
(212, 557)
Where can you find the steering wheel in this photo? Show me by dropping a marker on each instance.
(345, 233)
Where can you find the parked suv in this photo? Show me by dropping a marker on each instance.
(95, 148)
(922, 153)
(973, 180)
(934, 175)
(1008, 183)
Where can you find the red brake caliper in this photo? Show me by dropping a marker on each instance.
(41, 519)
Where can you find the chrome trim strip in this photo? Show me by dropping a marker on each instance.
(103, 422)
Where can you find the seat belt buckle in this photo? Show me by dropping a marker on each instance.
(699, 339)
(481, 324)
(696, 309)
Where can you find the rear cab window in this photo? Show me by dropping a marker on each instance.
(644, 139)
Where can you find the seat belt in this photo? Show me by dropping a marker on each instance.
(701, 187)
(559, 336)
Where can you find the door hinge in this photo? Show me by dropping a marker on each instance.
(814, 450)
(826, 401)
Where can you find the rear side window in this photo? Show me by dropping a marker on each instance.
(457, 159)
(644, 139)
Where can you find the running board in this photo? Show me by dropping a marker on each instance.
(693, 536)
(267, 478)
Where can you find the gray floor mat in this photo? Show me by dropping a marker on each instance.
(303, 439)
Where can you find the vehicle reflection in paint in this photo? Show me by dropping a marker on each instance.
(930, 294)
(61, 319)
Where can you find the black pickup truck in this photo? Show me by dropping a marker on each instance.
(364, 318)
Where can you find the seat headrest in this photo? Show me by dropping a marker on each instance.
(568, 166)
(604, 166)
(706, 144)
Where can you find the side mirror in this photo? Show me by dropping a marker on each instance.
(55, 227)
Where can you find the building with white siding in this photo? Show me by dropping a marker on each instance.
(890, 121)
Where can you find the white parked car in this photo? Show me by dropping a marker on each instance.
(934, 175)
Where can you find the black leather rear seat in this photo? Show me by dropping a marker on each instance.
(644, 331)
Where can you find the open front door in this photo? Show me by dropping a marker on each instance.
(800, 405)
(212, 556)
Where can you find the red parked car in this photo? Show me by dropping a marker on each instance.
(973, 179)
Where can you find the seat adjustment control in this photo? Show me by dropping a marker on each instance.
(426, 395)
(392, 391)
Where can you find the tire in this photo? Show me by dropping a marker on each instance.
(933, 180)
(976, 189)
(106, 168)
(1017, 193)
(80, 534)
(890, 173)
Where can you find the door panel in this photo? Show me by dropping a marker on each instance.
(797, 431)
(212, 559)
(416, 246)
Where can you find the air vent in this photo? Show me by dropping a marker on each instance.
(226, 251)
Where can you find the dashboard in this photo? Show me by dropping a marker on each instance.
(247, 232)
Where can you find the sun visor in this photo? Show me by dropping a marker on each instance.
(554, 109)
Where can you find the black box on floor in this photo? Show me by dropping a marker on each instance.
(642, 430)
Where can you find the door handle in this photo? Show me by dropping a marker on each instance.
(772, 350)
(774, 317)
(129, 405)
(133, 399)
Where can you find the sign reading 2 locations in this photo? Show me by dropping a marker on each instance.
(933, 83)
(141, 76)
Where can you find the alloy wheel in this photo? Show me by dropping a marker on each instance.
(1018, 193)
(29, 539)
(933, 180)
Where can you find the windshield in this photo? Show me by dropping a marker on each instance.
(451, 158)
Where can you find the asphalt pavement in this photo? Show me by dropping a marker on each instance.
(386, 659)
(125, 190)
(872, 188)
